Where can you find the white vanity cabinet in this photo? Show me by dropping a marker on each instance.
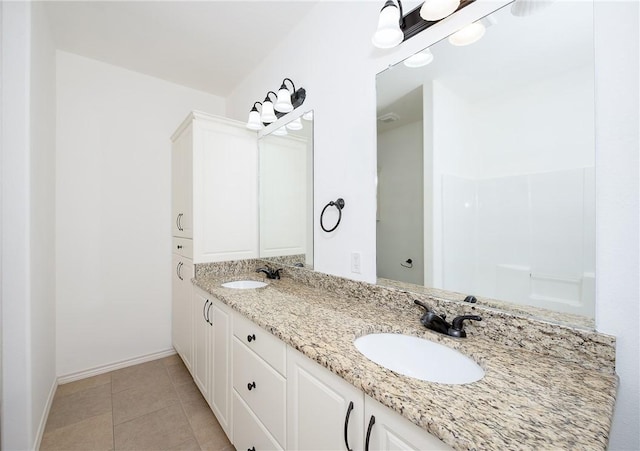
(214, 188)
(387, 430)
(201, 341)
(259, 387)
(181, 300)
(212, 354)
(324, 412)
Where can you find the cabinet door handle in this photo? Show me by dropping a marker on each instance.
(346, 426)
(251, 386)
(178, 268)
(372, 421)
(179, 222)
(208, 309)
(251, 338)
(203, 310)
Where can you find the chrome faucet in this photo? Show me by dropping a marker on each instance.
(270, 273)
(438, 323)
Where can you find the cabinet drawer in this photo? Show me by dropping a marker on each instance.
(267, 346)
(248, 432)
(183, 246)
(262, 388)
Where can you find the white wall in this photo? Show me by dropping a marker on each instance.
(617, 204)
(337, 64)
(43, 204)
(400, 219)
(28, 252)
(113, 229)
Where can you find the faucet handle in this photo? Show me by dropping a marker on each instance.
(422, 304)
(457, 325)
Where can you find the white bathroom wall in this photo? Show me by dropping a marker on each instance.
(43, 216)
(28, 252)
(399, 217)
(338, 69)
(113, 196)
(617, 48)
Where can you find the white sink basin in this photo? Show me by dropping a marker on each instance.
(419, 358)
(244, 284)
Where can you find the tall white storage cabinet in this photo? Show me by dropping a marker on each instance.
(214, 211)
(215, 192)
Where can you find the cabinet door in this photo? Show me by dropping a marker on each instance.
(391, 431)
(225, 192)
(201, 341)
(182, 184)
(220, 395)
(320, 405)
(181, 324)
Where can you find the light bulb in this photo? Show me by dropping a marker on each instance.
(283, 104)
(467, 35)
(268, 115)
(433, 10)
(388, 34)
(419, 59)
(295, 124)
(254, 120)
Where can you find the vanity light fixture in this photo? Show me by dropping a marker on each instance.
(286, 101)
(419, 59)
(295, 124)
(268, 114)
(395, 28)
(254, 118)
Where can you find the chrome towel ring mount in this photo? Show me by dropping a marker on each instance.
(339, 204)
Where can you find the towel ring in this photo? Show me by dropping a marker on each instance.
(339, 204)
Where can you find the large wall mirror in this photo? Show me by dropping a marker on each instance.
(486, 166)
(286, 193)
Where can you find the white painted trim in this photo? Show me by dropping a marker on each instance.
(114, 366)
(45, 414)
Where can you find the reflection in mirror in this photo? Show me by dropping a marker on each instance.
(486, 166)
(286, 193)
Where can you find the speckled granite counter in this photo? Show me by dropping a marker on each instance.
(527, 399)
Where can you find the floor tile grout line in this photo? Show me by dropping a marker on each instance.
(184, 412)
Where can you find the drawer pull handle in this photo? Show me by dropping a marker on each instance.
(346, 426)
(251, 386)
(371, 423)
(253, 448)
(179, 246)
(251, 338)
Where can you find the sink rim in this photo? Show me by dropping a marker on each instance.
(393, 351)
(246, 284)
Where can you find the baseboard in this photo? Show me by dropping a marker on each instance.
(45, 414)
(114, 366)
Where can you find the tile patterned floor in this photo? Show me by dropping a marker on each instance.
(151, 406)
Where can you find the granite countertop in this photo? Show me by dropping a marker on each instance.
(527, 400)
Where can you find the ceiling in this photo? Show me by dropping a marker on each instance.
(206, 45)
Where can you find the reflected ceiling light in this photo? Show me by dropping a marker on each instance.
(468, 34)
(254, 118)
(522, 8)
(438, 9)
(282, 131)
(308, 116)
(389, 34)
(268, 114)
(295, 124)
(419, 59)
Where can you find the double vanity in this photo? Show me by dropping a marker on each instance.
(285, 364)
